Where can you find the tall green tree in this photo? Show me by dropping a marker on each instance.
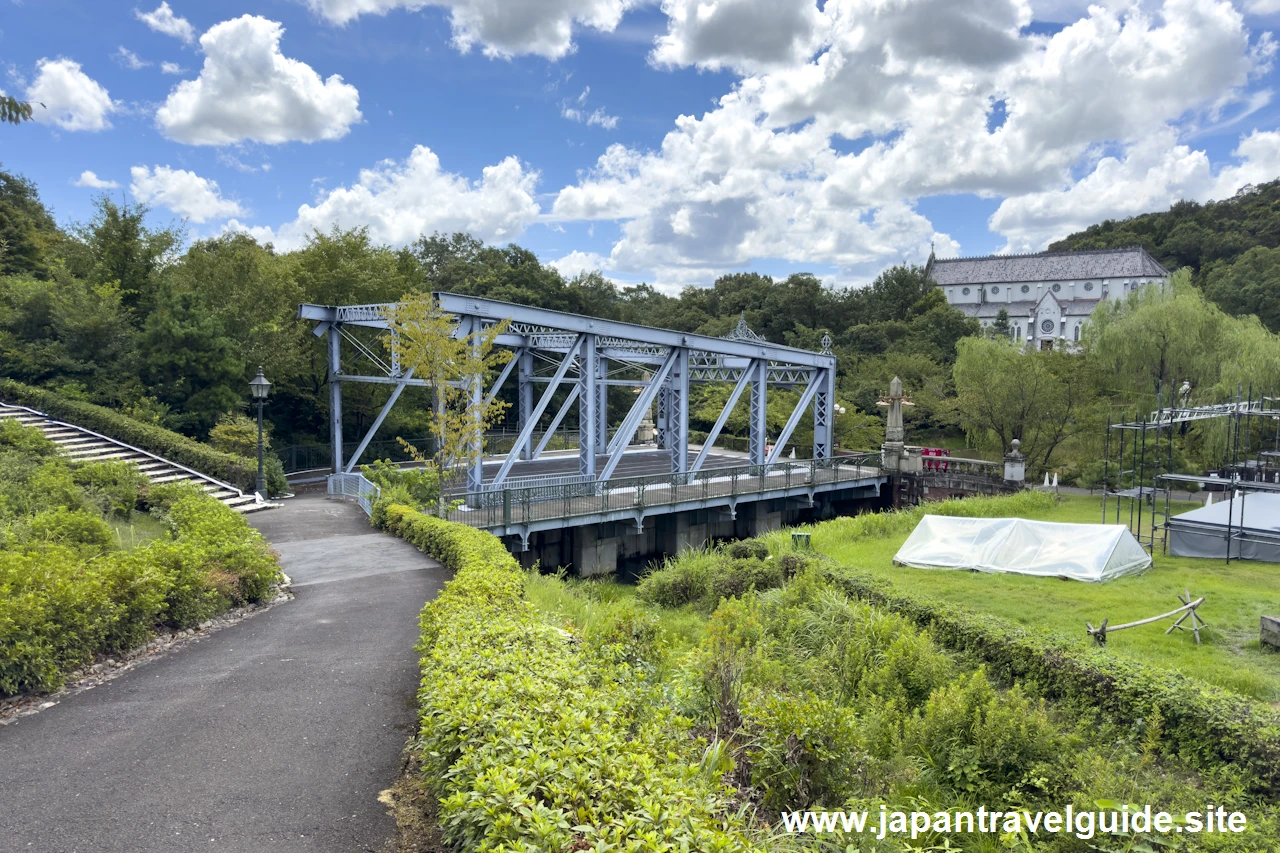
(28, 232)
(119, 246)
(1250, 285)
(1157, 338)
(1041, 398)
(189, 363)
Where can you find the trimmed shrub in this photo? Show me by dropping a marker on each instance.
(239, 471)
(53, 616)
(58, 607)
(114, 486)
(74, 528)
(1205, 726)
(531, 742)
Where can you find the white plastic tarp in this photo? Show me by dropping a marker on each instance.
(1087, 552)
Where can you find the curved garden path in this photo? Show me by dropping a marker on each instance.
(273, 734)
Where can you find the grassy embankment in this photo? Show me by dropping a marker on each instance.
(818, 686)
(1236, 596)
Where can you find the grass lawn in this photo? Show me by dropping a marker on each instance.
(592, 605)
(1236, 596)
(135, 531)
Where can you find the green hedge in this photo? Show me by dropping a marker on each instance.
(1203, 725)
(527, 743)
(239, 471)
(64, 602)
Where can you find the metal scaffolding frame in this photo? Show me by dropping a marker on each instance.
(1236, 477)
(589, 356)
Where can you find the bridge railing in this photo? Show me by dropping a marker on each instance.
(354, 487)
(530, 503)
(958, 465)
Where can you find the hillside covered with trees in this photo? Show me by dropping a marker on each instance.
(1232, 247)
(129, 313)
(124, 311)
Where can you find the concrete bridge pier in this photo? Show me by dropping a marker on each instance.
(626, 546)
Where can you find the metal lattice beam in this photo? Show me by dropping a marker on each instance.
(585, 348)
(526, 431)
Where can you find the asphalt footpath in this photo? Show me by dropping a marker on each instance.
(274, 734)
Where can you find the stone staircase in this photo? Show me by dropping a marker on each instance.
(81, 445)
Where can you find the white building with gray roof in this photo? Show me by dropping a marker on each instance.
(1047, 296)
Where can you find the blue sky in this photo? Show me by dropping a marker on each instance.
(835, 138)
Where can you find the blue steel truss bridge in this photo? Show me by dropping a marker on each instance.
(612, 499)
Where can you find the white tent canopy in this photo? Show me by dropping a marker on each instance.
(1087, 552)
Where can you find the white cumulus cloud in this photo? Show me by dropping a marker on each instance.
(249, 91)
(64, 95)
(185, 193)
(1151, 174)
(579, 262)
(744, 34)
(129, 59)
(839, 125)
(171, 68)
(163, 20)
(400, 200)
(92, 181)
(499, 27)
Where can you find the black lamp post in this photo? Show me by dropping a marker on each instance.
(260, 388)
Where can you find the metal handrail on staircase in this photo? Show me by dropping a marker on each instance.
(119, 443)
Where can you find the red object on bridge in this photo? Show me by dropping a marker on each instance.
(934, 464)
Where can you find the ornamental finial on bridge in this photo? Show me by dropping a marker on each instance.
(826, 345)
(742, 332)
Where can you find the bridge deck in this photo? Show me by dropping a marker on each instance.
(634, 497)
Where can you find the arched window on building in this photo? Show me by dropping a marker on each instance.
(1017, 333)
(1077, 332)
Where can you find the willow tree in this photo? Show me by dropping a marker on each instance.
(455, 362)
(13, 111)
(1160, 341)
(1158, 338)
(1042, 398)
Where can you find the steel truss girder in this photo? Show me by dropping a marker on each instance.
(824, 416)
(678, 413)
(723, 418)
(602, 404)
(759, 426)
(629, 424)
(526, 430)
(524, 393)
(635, 336)
(676, 360)
(783, 437)
(588, 400)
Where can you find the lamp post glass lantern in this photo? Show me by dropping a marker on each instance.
(260, 388)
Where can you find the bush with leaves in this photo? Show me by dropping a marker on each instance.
(703, 577)
(416, 487)
(803, 751)
(114, 487)
(531, 742)
(66, 596)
